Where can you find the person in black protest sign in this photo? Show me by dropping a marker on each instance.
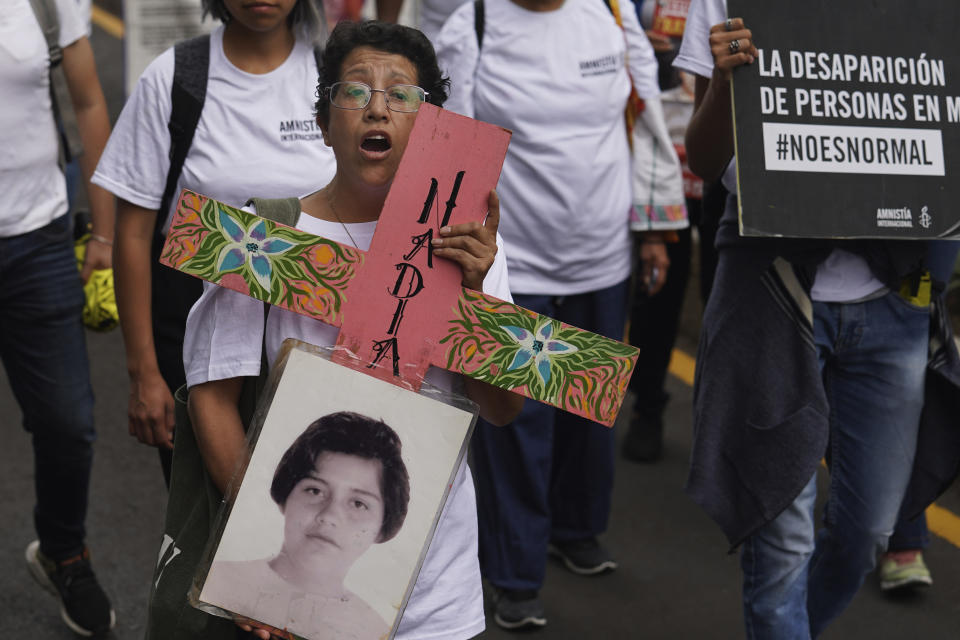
(805, 344)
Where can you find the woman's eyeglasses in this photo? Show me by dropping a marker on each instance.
(406, 98)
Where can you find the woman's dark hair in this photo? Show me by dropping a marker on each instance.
(383, 36)
(356, 435)
(308, 13)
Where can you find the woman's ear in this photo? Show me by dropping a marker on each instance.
(323, 131)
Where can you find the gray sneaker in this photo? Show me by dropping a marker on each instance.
(84, 606)
(584, 557)
(519, 610)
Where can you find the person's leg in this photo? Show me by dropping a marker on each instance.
(654, 321)
(43, 348)
(874, 384)
(902, 565)
(774, 562)
(512, 468)
(583, 451)
(909, 534)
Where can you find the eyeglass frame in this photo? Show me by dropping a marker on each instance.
(329, 93)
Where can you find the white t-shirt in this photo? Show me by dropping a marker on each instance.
(256, 136)
(86, 13)
(433, 13)
(843, 276)
(558, 80)
(223, 340)
(32, 184)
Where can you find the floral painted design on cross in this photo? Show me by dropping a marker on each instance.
(260, 258)
(537, 348)
(544, 359)
(249, 248)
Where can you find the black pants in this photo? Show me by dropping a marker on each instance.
(655, 320)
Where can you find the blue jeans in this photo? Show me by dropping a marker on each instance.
(548, 475)
(873, 357)
(43, 349)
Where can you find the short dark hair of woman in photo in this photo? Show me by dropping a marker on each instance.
(350, 434)
(386, 37)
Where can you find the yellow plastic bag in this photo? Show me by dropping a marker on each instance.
(100, 308)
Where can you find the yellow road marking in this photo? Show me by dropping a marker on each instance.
(944, 523)
(107, 21)
(940, 521)
(682, 366)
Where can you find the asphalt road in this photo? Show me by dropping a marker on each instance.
(676, 579)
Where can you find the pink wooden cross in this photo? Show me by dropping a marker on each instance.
(400, 309)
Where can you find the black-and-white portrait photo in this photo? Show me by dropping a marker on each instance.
(335, 512)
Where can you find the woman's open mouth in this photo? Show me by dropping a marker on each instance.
(376, 145)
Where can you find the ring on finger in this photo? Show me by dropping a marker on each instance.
(734, 46)
(728, 25)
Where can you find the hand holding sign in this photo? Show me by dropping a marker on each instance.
(845, 129)
(732, 45)
(472, 245)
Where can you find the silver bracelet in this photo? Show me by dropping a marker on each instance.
(101, 239)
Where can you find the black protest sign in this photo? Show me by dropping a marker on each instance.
(848, 122)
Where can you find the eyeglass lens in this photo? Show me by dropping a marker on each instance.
(356, 95)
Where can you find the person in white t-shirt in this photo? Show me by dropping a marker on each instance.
(804, 344)
(373, 79)
(557, 74)
(256, 137)
(42, 344)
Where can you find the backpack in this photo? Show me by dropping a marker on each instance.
(49, 19)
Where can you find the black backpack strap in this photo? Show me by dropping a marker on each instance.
(282, 210)
(188, 91)
(49, 20)
(479, 21)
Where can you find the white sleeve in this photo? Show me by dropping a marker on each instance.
(496, 282)
(458, 55)
(223, 337)
(640, 56)
(72, 25)
(135, 162)
(695, 56)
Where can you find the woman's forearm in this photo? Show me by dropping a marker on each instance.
(218, 428)
(709, 137)
(497, 406)
(132, 245)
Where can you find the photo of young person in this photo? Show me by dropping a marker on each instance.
(330, 523)
(342, 487)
